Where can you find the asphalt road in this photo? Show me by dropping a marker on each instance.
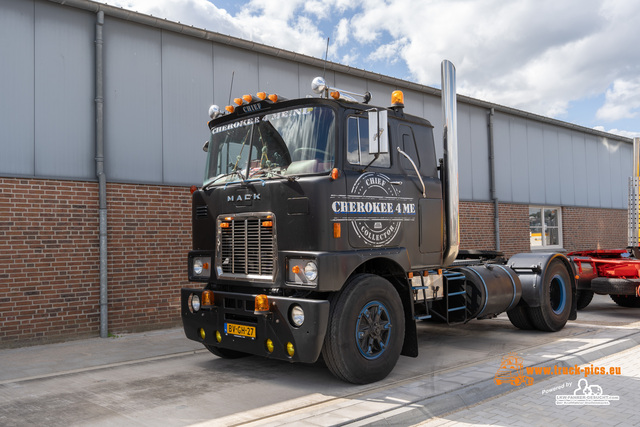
(161, 378)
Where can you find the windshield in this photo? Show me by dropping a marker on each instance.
(284, 143)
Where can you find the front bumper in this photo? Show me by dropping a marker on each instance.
(238, 309)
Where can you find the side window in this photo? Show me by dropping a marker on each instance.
(409, 147)
(423, 136)
(358, 144)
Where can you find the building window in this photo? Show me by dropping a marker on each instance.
(545, 227)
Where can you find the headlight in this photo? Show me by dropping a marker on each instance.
(195, 302)
(311, 271)
(200, 269)
(197, 267)
(296, 316)
(302, 271)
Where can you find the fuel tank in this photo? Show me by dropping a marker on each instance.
(492, 289)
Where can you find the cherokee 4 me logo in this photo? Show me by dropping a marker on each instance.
(374, 208)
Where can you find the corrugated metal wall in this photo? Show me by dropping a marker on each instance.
(159, 85)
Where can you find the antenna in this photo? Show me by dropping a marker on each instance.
(231, 88)
(326, 54)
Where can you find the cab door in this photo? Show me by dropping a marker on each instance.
(416, 143)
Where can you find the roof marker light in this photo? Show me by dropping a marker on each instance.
(397, 98)
(262, 95)
(237, 101)
(273, 97)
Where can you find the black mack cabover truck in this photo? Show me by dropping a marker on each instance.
(328, 226)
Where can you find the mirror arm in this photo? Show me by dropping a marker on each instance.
(424, 189)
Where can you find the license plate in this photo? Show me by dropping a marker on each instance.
(240, 330)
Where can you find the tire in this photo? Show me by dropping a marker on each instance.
(608, 285)
(626, 300)
(366, 330)
(519, 317)
(584, 299)
(225, 353)
(555, 303)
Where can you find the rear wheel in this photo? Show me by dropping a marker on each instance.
(366, 330)
(615, 286)
(519, 317)
(584, 299)
(555, 304)
(225, 353)
(626, 300)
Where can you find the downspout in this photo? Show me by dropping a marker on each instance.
(102, 179)
(492, 182)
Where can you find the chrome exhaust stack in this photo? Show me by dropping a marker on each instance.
(450, 173)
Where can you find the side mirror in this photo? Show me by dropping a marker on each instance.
(378, 133)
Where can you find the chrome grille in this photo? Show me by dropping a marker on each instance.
(246, 247)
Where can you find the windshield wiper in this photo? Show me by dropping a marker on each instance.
(269, 172)
(224, 175)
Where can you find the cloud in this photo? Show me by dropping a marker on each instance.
(624, 133)
(622, 101)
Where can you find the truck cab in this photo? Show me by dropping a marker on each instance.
(325, 225)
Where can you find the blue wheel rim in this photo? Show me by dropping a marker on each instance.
(373, 330)
(557, 294)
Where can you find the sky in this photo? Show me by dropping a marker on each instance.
(573, 60)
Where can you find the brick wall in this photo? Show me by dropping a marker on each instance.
(477, 226)
(588, 228)
(514, 228)
(583, 228)
(49, 253)
(49, 258)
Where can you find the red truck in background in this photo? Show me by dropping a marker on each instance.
(615, 272)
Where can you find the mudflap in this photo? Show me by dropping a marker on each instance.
(531, 269)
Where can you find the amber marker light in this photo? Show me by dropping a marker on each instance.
(261, 303)
(237, 101)
(269, 345)
(225, 225)
(290, 350)
(335, 94)
(410, 274)
(230, 108)
(273, 97)
(295, 269)
(335, 173)
(267, 223)
(207, 296)
(397, 98)
(337, 230)
(262, 95)
(193, 189)
(247, 98)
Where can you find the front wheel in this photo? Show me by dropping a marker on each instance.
(366, 330)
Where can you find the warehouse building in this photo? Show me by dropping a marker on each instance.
(103, 116)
